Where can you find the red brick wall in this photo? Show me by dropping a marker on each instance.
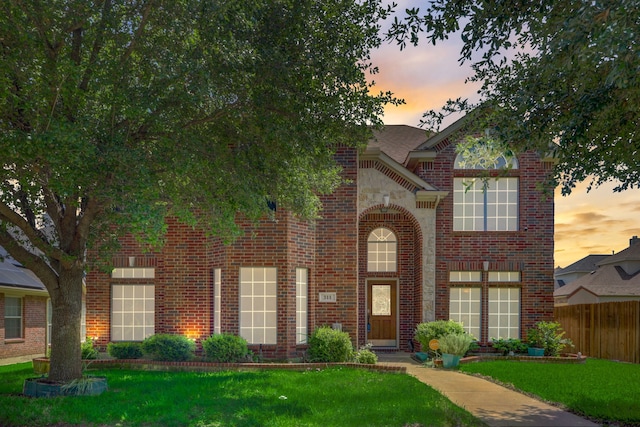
(529, 250)
(34, 321)
(336, 264)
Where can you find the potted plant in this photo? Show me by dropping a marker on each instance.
(453, 347)
(535, 340)
(546, 339)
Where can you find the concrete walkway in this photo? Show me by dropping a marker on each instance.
(495, 405)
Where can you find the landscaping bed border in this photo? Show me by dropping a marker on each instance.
(147, 364)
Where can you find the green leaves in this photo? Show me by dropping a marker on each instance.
(558, 76)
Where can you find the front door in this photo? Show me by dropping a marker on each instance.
(381, 314)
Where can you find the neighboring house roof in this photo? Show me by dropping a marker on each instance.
(585, 265)
(14, 275)
(616, 275)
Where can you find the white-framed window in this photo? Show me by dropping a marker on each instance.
(382, 250)
(465, 307)
(217, 288)
(504, 313)
(13, 318)
(302, 316)
(465, 276)
(132, 311)
(258, 305)
(504, 276)
(485, 205)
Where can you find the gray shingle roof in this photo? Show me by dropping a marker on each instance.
(13, 274)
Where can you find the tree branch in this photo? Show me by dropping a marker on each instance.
(30, 260)
(97, 46)
(10, 216)
(143, 23)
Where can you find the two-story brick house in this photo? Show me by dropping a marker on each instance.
(410, 238)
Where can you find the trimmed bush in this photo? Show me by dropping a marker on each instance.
(329, 345)
(366, 356)
(225, 348)
(125, 350)
(509, 344)
(425, 332)
(88, 350)
(170, 348)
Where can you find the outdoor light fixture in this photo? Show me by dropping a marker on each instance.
(132, 261)
(485, 265)
(385, 202)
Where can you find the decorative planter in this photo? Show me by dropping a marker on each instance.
(450, 360)
(535, 351)
(40, 365)
(41, 387)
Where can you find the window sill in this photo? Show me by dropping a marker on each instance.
(14, 341)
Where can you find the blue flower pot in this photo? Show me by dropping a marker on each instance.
(534, 351)
(450, 360)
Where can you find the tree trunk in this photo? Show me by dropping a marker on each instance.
(66, 301)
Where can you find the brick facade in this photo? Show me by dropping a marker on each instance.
(333, 249)
(34, 328)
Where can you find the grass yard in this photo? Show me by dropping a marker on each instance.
(329, 397)
(598, 389)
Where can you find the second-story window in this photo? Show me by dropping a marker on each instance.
(483, 203)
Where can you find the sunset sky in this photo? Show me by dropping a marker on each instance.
(598, 222)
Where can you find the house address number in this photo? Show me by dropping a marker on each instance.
(327, 297)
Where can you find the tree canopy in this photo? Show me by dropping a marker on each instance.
(558, 76)
(120, 112)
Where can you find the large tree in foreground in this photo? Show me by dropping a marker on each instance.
(561, 71)
(114, 114)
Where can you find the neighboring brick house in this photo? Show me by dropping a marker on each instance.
(402, 242)
(23, 310)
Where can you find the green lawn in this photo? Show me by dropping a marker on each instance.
(328, 397)
(599, 389)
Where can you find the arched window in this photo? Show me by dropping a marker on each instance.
(501, 162)
(485, 204)
(382, 250)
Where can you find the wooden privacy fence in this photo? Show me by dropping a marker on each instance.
(608, 330)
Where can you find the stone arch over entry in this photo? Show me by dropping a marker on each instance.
(407, 279)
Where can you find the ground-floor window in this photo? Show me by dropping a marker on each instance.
(504, 313)
(465, 307)
(13, 318)
(258, 305)
(502, 304)
(302, 288)
(132, 312)
(217, 288)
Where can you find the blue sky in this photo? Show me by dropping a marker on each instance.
(598, 222)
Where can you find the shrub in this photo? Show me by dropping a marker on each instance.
(425, 332)
(125, 350)
(166, 347)
(329, 345)
(366, 356)
(548, 335)
(457, 344)
(88, 350)
(509, 344)
(226, 348)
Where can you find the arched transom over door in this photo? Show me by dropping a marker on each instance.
(382, 318)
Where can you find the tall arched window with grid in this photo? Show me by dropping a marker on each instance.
(382, 251)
